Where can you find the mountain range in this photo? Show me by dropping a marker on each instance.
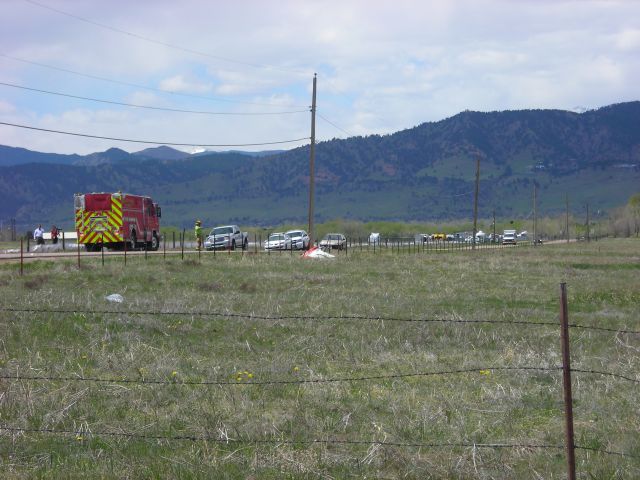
(419, 174)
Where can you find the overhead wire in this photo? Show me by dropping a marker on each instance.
(166, 109)
(333, 124)
(153, 142)
(166, 44)
(143, 87)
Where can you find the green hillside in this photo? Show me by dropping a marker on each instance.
(420, 174)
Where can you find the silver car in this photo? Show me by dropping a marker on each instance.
(299, 239)
(278, 241)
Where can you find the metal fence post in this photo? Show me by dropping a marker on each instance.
(182, 244)
(78, 246)
(28, 243)
(63, 245)
(125, 242)
(174, 239)
(102, 249)
(566, 380)
(21, 256)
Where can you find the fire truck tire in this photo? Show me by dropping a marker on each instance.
(155, 242)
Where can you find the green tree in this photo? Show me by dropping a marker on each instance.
(634, 210)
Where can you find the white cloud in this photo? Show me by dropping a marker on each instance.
(382, 66)
(179, 83)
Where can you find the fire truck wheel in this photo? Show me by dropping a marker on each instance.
(155, 242)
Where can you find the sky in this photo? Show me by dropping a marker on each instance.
(241, 72)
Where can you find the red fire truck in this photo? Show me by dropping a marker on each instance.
(117, 220)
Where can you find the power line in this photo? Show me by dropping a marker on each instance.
(275, 382)
(152, 141)
(111, 102)
(165, 44)
(144, 87)
(333, 124)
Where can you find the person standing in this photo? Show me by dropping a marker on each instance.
(38, 235)
(54, 234)
(198, 234)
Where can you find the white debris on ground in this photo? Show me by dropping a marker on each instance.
(316, 252)
(115, 298)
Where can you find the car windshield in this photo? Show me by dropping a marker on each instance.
(222, 231)
(276, 236)
(295, 234)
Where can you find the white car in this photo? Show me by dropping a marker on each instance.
(333, 241)
(374, 238)
(299, 239)
(278, 241)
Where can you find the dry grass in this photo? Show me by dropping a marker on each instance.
(476, 407)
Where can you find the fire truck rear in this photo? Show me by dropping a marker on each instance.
(117, 220)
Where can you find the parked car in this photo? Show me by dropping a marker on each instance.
(278, 241)
(299, 239)
(226, 237)
(374, 238)
(333, 241)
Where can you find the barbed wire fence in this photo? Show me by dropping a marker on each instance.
(569, 445)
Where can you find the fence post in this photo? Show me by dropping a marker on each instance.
(164, 247)
(174, 239)
(566, 380)
(146, 245)
(21, 256)
(102, 249)
(28, 238)
(182, 244)
(63, 246)
(125, 242)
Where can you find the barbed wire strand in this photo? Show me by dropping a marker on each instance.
(251, 316)
(206, 438)
(272, 441)
(148, 107)
(481, 370)
(153, 142)
(602, 372)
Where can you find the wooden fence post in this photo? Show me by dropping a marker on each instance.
(566, 380)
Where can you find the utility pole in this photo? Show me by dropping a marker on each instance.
(494, 225)
(567, 216)
(588, 230)
(312, 160)
(475, 204)
(535, 213)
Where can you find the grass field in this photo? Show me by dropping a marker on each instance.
(151, 416)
